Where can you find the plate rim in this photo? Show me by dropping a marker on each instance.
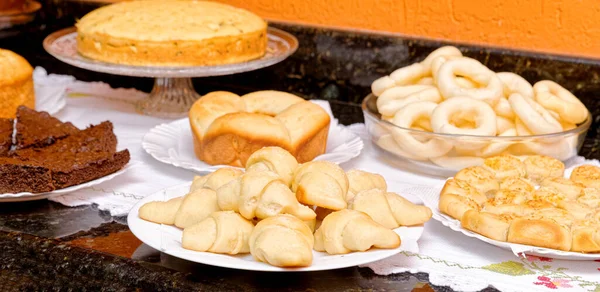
(290, 40)
(146, 145)
(27, 196)
(132, 216)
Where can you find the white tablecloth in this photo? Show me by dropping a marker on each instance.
(450, 258)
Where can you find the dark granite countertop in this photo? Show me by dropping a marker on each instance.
(47, 246)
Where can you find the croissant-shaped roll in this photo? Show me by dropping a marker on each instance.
(359, 181)
(261, 194)
(161, 212)
(222, 232)
(389, 209)
(275, 159)
(282, 241)
(346, 231)
(195, 207)
(321, 183)
(277, 198)
(215, 179)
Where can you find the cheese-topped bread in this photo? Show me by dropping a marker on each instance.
(171, 33)
(16, 84)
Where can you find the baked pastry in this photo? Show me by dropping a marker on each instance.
(261, 194)
(86, 155)
(215, 180)
(16, 83)
(228, 128)
(282, 241)
(561, 213)
(322, 184)
(587, 175)
(480, 178)
(346, 231)
(171, 33)
(6, 135)
(161, 212)
(564, 186)
(359, 181)
(222, 232)
(517, 184)
(504, 166)
(389, 209)
(195, 207)
(39, 129)
(274, 159)
(540, 167)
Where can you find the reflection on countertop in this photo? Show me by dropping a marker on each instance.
(47, 245)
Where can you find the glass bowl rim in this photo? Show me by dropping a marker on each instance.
(581, 128)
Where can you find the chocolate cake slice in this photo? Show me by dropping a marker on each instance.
(99, 138)
(24, 176)
(81, 157)
(38, 129)
(6, 133)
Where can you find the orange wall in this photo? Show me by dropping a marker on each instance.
(557, 26)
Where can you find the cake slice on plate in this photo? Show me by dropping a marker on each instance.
(38, 129)
(81, 157)
(6, 133)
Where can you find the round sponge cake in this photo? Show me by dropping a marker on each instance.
(171, 33)
(16, 84)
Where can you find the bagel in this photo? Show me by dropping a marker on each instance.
(228, 128)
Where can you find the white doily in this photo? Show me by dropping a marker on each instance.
(450, 258)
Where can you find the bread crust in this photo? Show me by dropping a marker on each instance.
(540, 232)
(228, 128)
(16, 84)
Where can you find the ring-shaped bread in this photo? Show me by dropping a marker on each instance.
(491, 87)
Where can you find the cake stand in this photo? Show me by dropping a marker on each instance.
(173, 93)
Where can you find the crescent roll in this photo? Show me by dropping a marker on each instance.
(222, 232)
(359, 181)
(274, 159)
(195, 207)
(346, 231)
(389, 209)
(282, 241)
(322, 184)
(161, 212)
(216, 179)
(261, 194)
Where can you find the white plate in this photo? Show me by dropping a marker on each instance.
(168, 240)
(26, 196)
(432, 199)
(172, 143)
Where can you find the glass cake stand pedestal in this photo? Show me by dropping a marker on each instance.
(173, 93)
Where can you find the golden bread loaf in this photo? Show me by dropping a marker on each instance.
(228, 128)
(16, 84)
(171, 33)
(534, 204)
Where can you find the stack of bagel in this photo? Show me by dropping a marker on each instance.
(268, 210)
(448, 93)
(528, 202)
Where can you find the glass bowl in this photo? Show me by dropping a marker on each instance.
(444, 154)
